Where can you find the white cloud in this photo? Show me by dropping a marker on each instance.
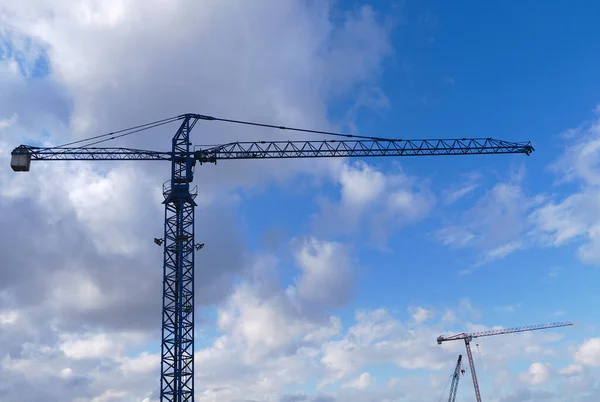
(449, 316)
(93, 347)
(107, 204)
(9, 121)
(456, 192)
(571, 369)
(455, 236)
(361, 185)
(588, 352)
(144, 363)
(111, 395)
(98, 345)
(363, 381)
(509, 308)
(378, 338)
(574, 219)
(8, 317)
(74, 291)
(368, 198)
(327, 271)
(265, 318)
(226, 371)
(554, 271)
(66, 372)
(421, 314)
(507, 219)
(494, 225)
(466, 307)
(538, 373)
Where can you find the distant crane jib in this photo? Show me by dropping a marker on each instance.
(502, 331)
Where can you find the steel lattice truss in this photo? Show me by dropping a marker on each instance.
(178, 300)
(502, 331)
(292, 149)
(177, 362)
(455, 379)
(361, 148)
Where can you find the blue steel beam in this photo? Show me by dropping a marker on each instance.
(455, 379)
(290, 149)
(177, 350)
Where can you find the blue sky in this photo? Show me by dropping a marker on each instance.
(306, 289)
(472, 71)
(515, 72)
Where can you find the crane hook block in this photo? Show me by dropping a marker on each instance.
(21, 161)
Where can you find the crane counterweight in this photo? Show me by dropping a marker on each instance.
(20, 161)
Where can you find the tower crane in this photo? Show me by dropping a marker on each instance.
(469, 337)
(455, 377)
(177, 349)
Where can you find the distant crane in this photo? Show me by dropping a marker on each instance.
(455, 377)
(469, 337)
(177, 350)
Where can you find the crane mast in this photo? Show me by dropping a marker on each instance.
(468, 337)
(455, 379)
(177, 348)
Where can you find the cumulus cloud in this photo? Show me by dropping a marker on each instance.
(420, 314)
(493, 225)
(537, 374)
(369, 199)
(574, 219)
(9, 121)
(327, 272)
(506, 218)
(466, 186)
(363, 381)
(588, 353)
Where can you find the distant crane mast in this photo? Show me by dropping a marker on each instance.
(469, 337)
(455, 377)
(177, 352)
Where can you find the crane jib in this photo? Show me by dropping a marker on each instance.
(23, 155)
